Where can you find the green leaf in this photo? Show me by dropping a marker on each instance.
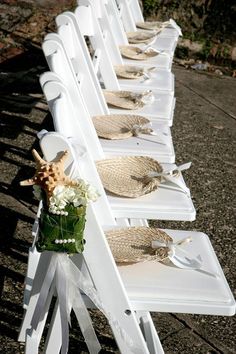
(60, 227)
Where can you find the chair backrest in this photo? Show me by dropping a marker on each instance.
(77, 52)
(135, 10)
(126, 16)
(81, 67)
(102, 62)
(59, 64)
(66, 123)
(99, 260)
(108, 16)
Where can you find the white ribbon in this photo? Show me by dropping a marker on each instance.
(148, 49)
(147, 73)
(173, 24)
(172, 175)
(175, 255)
(146, 97)
(139, 129)
(60, 274)
(41, 133)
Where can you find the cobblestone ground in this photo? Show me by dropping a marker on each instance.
(23, 24)
(204, 132)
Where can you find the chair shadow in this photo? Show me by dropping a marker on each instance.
(8, 244)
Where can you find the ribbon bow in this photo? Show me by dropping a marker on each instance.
(149, 49)
(146, 97)
(141, 129)
(172, 175)
(181, 258)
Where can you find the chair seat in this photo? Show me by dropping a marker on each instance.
(167, 44)
(169, 32)
(159, 80)
(163, 61)
(165, 203)
(161, 110)
(154, 286)
(147, 145)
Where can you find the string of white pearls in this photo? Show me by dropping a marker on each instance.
(69, 240)
(58, 212)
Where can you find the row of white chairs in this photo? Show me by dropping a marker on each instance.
(74, 95)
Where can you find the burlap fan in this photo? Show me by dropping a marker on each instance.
(155, 25)
(136, 53)
(140, 37)
(117, 126)
(126, 99)
(128, 176)
(134, 244)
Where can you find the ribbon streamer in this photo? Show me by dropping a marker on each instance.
(171, 176)
(141, 129)
(146, 129)
(64, 277)
(57, 275)
(151, 49)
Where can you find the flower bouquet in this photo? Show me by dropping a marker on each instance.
(62, 219)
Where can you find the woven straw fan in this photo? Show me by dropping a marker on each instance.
(132, 72)
(127, 176)
(136, 53)
(134, 244)
(155, 25)
(127, 99)
(140, 37)
(117, 126)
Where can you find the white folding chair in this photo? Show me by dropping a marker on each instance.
(160, 43)
(115, 36)
(159, 146)
(161, 110)
(156, 79)
(132, 15)
(169, 202)
(129, 293)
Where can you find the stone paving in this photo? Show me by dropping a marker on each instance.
(204, 132)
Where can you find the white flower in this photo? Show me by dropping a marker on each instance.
(92, 193)
(69, 193)
(77, 202)
(59, 191)
(79, 194)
